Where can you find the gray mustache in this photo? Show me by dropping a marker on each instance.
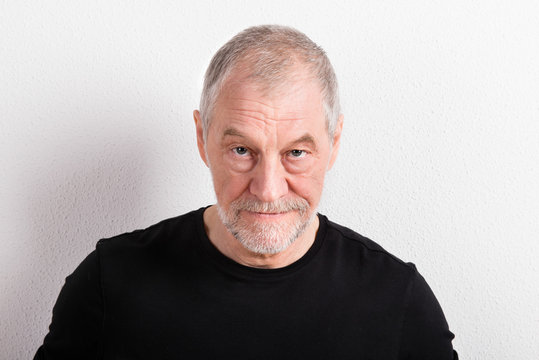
(278, 206)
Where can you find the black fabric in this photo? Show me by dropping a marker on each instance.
(167, 293)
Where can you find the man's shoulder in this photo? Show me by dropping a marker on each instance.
(153, 235)
(356, 244)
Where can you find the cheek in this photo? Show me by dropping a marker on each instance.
(228, 182)
(301, 167)
(237, 165)
(229, 187)
(308, 186)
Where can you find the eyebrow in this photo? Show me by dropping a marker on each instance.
(232, 132)
(304, 139)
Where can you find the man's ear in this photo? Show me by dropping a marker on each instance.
(336, 142)
(200, 137)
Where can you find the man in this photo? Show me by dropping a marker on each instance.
(259, 275)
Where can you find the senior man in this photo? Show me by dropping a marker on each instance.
(259, 275)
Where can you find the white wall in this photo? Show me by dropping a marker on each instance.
(439, 161)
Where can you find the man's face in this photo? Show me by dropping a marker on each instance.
(268, 155)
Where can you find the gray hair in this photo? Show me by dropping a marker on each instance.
(269, 52)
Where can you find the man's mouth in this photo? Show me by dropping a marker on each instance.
(268, 215)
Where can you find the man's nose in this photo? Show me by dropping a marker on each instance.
(269, 182)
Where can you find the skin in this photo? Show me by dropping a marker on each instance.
(266, 147)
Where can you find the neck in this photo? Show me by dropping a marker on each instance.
(229, 246)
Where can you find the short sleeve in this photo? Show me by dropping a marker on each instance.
(425, 333)
(77, 317)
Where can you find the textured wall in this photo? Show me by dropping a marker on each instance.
(439, 161)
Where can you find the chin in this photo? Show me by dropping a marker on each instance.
(266, 228)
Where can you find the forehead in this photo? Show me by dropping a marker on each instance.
(293, 104)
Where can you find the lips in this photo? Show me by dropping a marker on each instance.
(265, 215)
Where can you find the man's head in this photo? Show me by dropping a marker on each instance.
(269, 129)
(270, 53)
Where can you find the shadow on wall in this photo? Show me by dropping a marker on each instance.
(75, 194)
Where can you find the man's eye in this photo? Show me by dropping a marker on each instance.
(297, 153)
(239, 150)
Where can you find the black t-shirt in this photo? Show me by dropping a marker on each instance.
(167, 293)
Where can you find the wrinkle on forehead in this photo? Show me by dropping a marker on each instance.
(242, 105)
(268, 118)
(273, 115)
(276, 106)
